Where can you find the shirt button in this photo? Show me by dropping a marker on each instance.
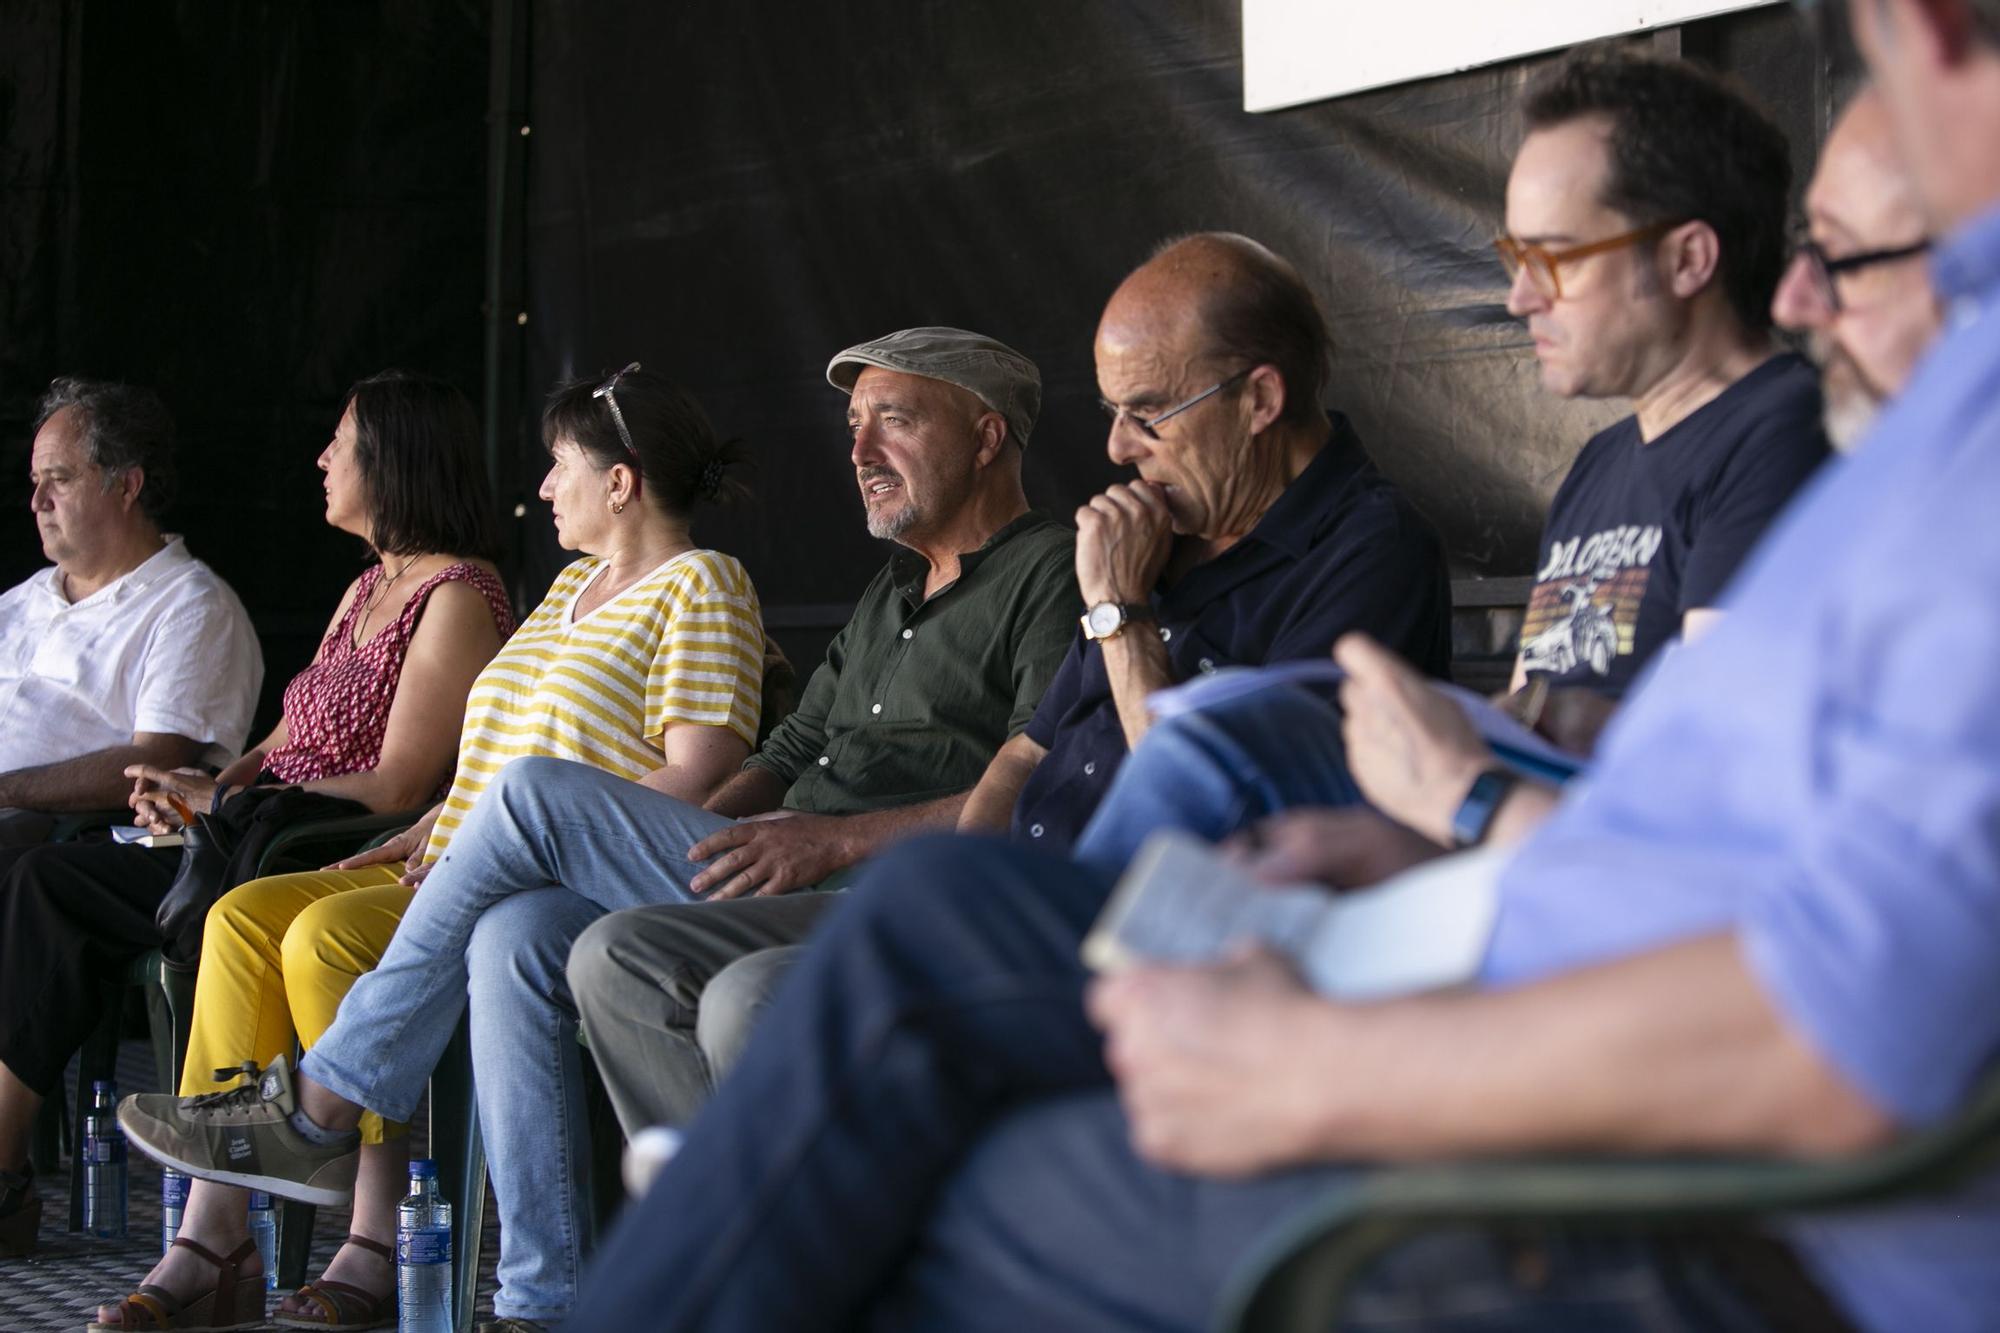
(1207, 664)
(1090, 768)
(909, 633)
(876, 709)
(825, 759)
(1034, 830)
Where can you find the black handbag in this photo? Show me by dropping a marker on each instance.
(222, 849)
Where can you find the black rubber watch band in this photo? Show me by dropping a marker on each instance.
(1474, 817)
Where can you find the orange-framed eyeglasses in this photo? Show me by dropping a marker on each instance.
(1545, 266)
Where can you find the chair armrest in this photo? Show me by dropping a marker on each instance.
(1297, 1276)
(333, 838)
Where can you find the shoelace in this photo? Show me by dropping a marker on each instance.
(231, 1100)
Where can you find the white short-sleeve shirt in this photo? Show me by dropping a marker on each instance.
(167, 648)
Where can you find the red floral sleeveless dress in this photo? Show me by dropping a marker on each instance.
(337, 709)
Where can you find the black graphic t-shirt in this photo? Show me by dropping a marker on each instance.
(1642, 533)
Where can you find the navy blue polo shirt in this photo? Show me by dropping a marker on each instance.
(1340, 550)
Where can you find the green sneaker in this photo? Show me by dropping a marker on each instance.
(243, 1137)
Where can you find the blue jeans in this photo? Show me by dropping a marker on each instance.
(1215, 771)
(549, 847)
(922, 1135)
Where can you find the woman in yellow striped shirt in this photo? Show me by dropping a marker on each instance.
(645, 659)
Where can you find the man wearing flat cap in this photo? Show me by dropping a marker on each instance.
(945, 658)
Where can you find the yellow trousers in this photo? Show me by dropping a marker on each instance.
(277, 956)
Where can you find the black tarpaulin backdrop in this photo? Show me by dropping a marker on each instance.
(737, 194)
(248, 206)
(251, 205)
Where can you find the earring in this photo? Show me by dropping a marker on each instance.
(618, 507)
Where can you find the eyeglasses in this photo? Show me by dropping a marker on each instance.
(1544, 265)
(605, 391)
(1826, 271)
(1149, 426)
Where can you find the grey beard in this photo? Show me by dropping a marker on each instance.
(888, 527)
(1847, 419)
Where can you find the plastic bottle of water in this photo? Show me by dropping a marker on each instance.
(423, 1254)
(173, 1203)
(104, 1165)
(264, 1230)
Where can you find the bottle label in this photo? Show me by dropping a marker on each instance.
(173, 1190)
(423, 1245)
(104, 1151)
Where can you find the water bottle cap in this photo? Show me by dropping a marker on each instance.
(423, 1168)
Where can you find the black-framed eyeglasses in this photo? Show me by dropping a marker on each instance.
(1826, 270)
(606, 391)
(1149, 426)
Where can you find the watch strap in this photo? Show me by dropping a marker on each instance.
(1473, 819)
(1127, 613)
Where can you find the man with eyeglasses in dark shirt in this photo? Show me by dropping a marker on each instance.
(1257, 530)
(1645, 236)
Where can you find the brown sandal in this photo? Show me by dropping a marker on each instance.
(342, 1304)
(236, 1301)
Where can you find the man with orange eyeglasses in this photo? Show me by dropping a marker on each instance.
(1645, 235)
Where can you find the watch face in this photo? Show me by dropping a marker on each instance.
(1105, 617)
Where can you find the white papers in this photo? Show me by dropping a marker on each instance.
(1181, 902)
(134, 835)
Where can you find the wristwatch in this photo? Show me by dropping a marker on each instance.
(1107, 620)
(1474, 817)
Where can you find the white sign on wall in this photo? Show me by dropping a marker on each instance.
(1303, 50)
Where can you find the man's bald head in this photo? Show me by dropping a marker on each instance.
(1861, 184)
(1225, 298)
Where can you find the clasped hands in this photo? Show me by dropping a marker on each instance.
(162, 800)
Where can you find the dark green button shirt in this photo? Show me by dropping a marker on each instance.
(916, 696)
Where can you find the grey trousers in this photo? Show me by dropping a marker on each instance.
(668, 995)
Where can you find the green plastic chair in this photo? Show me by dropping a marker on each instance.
(1298, 1279)
(169, 991)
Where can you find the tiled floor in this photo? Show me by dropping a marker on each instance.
(58, 1286)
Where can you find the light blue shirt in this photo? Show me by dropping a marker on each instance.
(1821, 774)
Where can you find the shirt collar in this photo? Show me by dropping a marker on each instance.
(909, 570)
(172, 555)
(1966, 267)
(1307, 505)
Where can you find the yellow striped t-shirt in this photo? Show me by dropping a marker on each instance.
(683, 644)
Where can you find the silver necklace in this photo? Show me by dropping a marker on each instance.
(380, 592)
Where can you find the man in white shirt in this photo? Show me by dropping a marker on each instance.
(128, 650)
